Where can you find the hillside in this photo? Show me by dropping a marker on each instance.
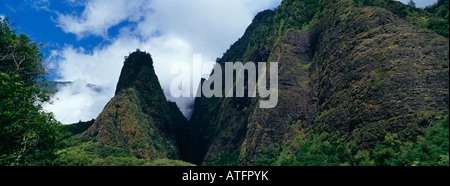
(360, 83)
(138, 117)
(138, 126)
(353, 75)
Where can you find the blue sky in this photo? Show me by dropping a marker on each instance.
(88, 39)
(420, 3)
(38, 21)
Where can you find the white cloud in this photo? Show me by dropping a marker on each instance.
(102, 67)
(170, 30)
(99, 15)
(210, 26)
(78, 101)
(2, 16)
(40, 4)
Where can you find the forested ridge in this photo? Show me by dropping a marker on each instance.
(361, 83)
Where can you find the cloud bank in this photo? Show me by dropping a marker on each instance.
(170, 30)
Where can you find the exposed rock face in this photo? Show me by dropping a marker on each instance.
(357, 72)
(354, 72)
(376, 74)
(138, 117)
(219, 125)
(296, 98)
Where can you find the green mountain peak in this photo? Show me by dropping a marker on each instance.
(138, 117)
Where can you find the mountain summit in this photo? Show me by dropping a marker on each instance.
(360, 83)
(138, 117)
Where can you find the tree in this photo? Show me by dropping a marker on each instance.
(412, 4)
(28, 135)
(18, 55)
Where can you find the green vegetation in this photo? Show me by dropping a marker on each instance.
(355, 109)
(139, 117)
(429, 149)
(253, 39)
(439, 9)
(31, 137)
(28, 135)
(433, 18)
(229, 159)
(80, 127)
(20, 56)
(80, 152)
(440, 24)
(355, 51)
(296, 14)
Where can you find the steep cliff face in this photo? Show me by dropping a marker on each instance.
(356, 73)
(377, 73)
(219, 125)
(371, 74)
(359, 82)
(138, 118)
